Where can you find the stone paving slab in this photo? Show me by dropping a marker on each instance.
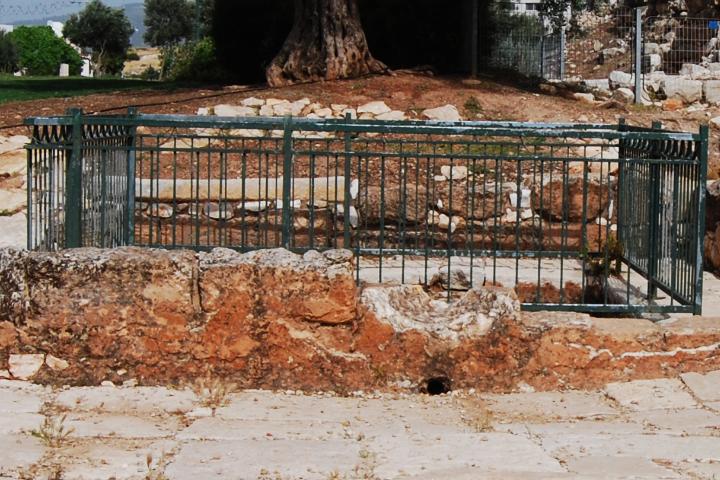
(705, 387)
(127, 400)
(18, 452)
(101, 460)
(248, 459)
(694, 421)
(655, 447)
(643, 395)
(544, 406)
(19, 422)
(620, 467)
(18, 397)
(485, 452)
(120, 426)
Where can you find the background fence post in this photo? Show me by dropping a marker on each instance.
(73, 184)
(130, 205)
(562, 53)
(287, 214)
(638, 56)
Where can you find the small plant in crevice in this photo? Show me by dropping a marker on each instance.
(213, 392)
(608, 261)
(156, 470)
(52, 431)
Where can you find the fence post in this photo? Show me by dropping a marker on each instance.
(562, 53)
(638, 56)
(287, 214)
(73, 184)
(703, 145)
(348, 184)
(130, 204)
(654, 240)
(474, 47)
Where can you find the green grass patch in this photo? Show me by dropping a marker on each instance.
(16, 89)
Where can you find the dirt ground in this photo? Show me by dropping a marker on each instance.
(498, 99)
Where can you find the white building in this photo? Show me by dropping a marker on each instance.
(527, 7)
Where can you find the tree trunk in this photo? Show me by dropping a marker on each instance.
(327, 42)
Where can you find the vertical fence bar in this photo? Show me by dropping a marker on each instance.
(287, 222)
(30, 205)
(348, 198)
(563, 41)
(73, 185)
(638, 56)
(703, 145)
(130, 205)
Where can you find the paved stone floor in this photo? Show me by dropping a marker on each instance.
(668, 428)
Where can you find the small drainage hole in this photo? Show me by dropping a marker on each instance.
(438, 386)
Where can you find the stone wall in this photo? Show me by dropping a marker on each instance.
(277, 320)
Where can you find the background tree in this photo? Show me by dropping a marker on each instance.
(327, 42)
(168, 22)
(41, 52)
(104, 30)
(8, 53)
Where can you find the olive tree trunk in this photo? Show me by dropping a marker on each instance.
(327, 42)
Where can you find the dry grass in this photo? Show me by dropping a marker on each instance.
(213, 392)
(52, 431)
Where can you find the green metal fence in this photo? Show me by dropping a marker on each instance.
(592, 218)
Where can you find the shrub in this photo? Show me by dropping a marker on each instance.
(41, 52)
(8, 54)
(192, 61)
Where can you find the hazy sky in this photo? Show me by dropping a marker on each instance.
(17, 10)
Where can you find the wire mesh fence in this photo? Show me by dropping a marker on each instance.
(574, 217)
(523, 44)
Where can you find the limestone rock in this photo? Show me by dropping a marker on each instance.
(618, 79)
(160, 210)
(408, 307)
(551, 198)
(253, 102)
(374, 108)
(446, 113)
(623, 95)
(689, 91)
(24, 367)
(454, 173)
(55, 363)
(234, 111)
(271, 102)
(393, 116)
(222, 211)
(585, 98)
(711, 91)
(458, 279)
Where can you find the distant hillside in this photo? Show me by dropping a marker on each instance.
(134, 11)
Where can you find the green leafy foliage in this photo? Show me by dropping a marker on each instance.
(195, 61)
(168, 22)
(105, 31)
(9, 57)
(41, 52)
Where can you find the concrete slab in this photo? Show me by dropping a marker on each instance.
(127, 400)
(623, 467)
(641, 395)
(18, 452)
(705, 387)
(249, 459)
(99, 460)
(120, 426)
(544, 406)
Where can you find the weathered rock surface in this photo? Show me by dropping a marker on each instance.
(273, 319)
(560, 200)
